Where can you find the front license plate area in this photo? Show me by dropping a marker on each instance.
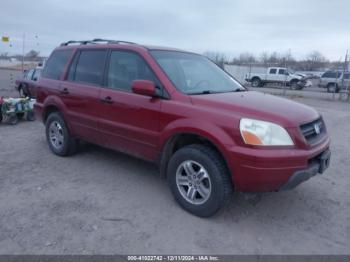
(325, 159)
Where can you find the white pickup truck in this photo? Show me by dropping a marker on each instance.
(334, 81)
(277, 75)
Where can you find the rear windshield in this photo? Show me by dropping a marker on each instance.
(195, 74)
(56, 64)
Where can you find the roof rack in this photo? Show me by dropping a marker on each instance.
(96, 41)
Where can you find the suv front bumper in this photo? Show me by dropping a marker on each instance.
(318, 166)
(266, 170)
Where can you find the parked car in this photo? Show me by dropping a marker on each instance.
(279, 75)
(207, 133)
(334, 82)
(26, 84)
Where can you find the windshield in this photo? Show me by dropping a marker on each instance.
(195, 74)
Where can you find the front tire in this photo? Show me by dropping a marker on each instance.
(332, 88)
(294, 85)
(199, 180)
(58, 136)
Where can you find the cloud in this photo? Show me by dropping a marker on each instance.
(227, 26)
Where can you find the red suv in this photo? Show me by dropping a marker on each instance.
(207, 133)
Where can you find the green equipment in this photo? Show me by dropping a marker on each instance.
(12, 109)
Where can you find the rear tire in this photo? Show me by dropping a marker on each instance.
(199, 180)
(256, 82)
(58, 136)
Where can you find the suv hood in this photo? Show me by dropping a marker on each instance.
(258, 105)
(296, 76)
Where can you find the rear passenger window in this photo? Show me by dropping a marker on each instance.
(56, 64)
(273, 71)
(89, 68)
(125, 67)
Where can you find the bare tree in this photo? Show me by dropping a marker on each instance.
(314, 60)
(247, 58)
(32, 55)
(264, 58)
(273, 58)
(217, 57)
(4, 56)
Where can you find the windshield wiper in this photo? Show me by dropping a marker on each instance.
(205, 92)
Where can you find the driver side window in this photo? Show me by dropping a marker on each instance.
(125, 67)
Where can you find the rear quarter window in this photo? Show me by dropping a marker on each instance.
(56, 64)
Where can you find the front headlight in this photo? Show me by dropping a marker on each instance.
(256, 132)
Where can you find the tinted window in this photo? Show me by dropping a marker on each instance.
(56, 64)
(330, 74)
(281, 71)
(90, 67)
(273, 71)
(125, 67)
(346, 76)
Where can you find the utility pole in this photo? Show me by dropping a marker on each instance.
(344, 67)
(341, 91)
(23, 47)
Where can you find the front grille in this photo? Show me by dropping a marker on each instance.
(313, 131)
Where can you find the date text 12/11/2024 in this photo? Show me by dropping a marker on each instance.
(173, 258)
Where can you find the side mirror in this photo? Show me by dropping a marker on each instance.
(144, 87)
(35, 79)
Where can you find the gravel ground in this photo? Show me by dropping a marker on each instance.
(103, 202)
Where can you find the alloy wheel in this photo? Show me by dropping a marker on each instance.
(56, 135)
(193, 182)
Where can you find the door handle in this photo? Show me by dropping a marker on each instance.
(107, 100)
(64, 91)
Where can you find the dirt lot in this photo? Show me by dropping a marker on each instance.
(100, 201)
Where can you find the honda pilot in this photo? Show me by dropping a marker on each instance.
(208, 134)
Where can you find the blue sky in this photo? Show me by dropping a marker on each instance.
(226, 26)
